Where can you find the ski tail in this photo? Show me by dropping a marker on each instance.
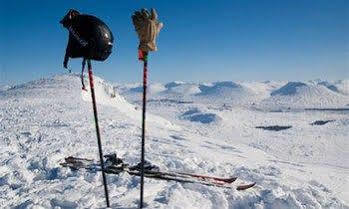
(245, 186)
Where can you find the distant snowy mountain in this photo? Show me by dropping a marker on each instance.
(184, 89)
(329, 86)
(305, 95)
(290, 88)
(339, 86)
(226, 92)
(173, 84)
(152, 88)
(270, 94)
(220, 88)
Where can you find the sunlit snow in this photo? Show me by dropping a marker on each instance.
(207, 128)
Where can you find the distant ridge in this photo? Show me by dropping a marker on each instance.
(289, 89)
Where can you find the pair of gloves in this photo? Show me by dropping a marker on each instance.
(147, 27)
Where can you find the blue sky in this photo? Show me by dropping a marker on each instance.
(202, 40)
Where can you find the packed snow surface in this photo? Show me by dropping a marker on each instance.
(193, 127)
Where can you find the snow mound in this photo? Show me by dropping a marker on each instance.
(226, 92)
(339, 86)
(45, 87)
(289, 89)
(106, 95)
(173, 84)
(220, 88)
(304, 95)
(136, 89)
(185, 89)
(155, 88)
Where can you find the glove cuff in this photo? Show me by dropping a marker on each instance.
(146, 47)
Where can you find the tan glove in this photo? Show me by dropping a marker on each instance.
(148, 28)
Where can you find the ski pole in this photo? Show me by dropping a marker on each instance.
(147, 27)
(90, 74)
(82, 74)
(145, 71)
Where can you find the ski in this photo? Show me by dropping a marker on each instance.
(89, 164)
(204, 177)
(200, 177)
(77, 160)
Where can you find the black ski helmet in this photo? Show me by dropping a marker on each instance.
(89, 37)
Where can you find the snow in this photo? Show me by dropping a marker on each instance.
(343, 86)
(305, 95)
(4, 87)
(196, 115)
(184, 89)
(194, 127)
(291, 88)
(329, 86)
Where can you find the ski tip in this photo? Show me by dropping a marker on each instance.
(246, 186)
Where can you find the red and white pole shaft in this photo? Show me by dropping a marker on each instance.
(90, 74)
(144, 57)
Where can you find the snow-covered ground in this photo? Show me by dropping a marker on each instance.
(204, 128)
